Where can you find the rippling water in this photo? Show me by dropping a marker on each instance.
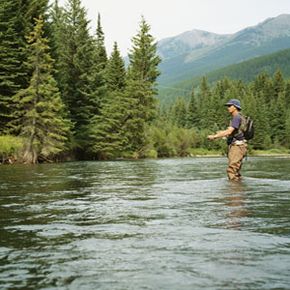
(153, 224)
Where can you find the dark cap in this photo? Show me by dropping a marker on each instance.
(235, 103)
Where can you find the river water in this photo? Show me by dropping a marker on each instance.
(150, 224)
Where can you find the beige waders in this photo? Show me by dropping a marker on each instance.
(237, 151)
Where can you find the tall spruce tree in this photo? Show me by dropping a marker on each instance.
(107, 130)
(192, 112)
(11, 55)
(141, 81)
(40, 119)
(96, 89)
(205, 104)
(16, 20)
(115, 74)
(101, 54)
(57, 30)
(179, 112)
(75, 48)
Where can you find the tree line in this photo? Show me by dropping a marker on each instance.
(62, 97)
(266, 100)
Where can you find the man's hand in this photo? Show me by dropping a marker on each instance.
(211, 137)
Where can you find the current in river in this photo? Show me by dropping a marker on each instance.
(169, 224)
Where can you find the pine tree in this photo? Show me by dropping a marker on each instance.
(41, 120)
(205, 105)
(107, 134)
(180, 112)
(101, 54)
(10, 61)
(141, 81)
(96, 89)
(278, 111)
(278, 84)
(263, 86)
(76, 56)
(192, 112)
(287, 129)
(115, 74)
(56, 34)
(107, 139)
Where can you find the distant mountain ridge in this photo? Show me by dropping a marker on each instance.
(188, 41)
(245, 71)
(197, 52)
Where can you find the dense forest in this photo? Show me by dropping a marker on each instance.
(245, 71)
(62, 97)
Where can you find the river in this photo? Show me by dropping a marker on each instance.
(147, 224)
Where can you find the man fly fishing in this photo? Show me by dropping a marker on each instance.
(237, 145)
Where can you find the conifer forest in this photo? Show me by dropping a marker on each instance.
(62, 97)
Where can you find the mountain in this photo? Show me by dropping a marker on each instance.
(245, 71)
(197, 52)
(187, 42)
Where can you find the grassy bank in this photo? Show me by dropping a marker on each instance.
(196, 152)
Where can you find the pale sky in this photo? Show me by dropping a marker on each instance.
(120, 18)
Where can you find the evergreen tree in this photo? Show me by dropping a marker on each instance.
(180, 112)
(278, 111)
(56, 35)
(107, 139)
(96, 84)
(192, 112)
(141, 81)
(287, 129)
(278, 84)
(41, 120)
(263, 86)
(206, 108)
(287, 94)
(16, 20)
(101, 54)
(115, 74)
(10, 60)
(107, 133)
(77, 60)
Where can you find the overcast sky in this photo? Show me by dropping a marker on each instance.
(120, 18)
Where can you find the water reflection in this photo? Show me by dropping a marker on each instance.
(236, 202)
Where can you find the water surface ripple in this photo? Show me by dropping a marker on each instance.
(149, 224)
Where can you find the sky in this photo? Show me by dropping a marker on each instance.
(120, 19)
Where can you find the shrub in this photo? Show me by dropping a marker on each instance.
(10, 148)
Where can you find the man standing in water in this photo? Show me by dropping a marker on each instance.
(235, 139)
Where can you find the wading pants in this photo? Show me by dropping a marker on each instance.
(236, 154)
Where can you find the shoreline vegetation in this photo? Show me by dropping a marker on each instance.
(10, 155)
(63, 98)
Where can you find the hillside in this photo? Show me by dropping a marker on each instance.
(198, 52)
(245, 71)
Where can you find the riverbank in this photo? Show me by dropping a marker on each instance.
(274, 152)
(194, 152)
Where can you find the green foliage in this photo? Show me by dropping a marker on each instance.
(10, 147)
(266, 100)
(40, 111)
(168, 140)
(102, 110)
(140, 87)
(115, 72)
(79, 73)
(245, 71)
(16, 18)
(107, 136)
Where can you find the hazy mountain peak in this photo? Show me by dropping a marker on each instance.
(270, 28)
(188, 41)
(196, 52)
